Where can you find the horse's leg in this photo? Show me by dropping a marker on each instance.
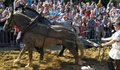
(40, 50)
(20, 55)
(81, 50)
(62, 51)
(81, 53)
(73, 50)
(30, 51)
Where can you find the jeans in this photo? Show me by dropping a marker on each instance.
(113, 64)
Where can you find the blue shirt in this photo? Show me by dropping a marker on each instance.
(29, 2)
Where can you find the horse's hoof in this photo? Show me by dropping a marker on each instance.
(28, 65)
(81, 62)
(60, 55)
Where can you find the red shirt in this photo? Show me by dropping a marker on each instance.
(87, 13)
(16, 28)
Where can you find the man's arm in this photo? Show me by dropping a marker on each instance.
(106, 39)
(109, 42)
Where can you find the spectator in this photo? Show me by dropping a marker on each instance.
(4, 15)
(40, 7)
(18, 4)
(77, 23)
(8, 3)
(99, 5)
(34, 5)
(1, 13)
(109, 5)
(66, 23)
(90, 28)
(82, 30)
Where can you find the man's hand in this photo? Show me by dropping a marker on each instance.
(102, 44)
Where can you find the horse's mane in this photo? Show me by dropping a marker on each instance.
(41, 18)
(24, 16)
(29, 8)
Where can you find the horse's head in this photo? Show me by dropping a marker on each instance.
(9, 23)
(17, 19)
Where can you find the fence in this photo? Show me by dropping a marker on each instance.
(7, 39)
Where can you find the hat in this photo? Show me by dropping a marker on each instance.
(117, 23)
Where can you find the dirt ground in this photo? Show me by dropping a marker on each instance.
(92, 58)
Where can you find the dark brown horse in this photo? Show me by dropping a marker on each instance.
(41, 35)
(32, 14)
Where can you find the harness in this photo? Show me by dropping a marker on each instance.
(30, 26)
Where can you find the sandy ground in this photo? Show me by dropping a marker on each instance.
(91, 58)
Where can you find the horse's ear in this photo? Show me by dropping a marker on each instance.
(23, 7)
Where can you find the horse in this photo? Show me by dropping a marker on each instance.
(41, 35)
(32, 14)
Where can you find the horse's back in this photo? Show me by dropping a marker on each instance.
(61, 27)
(53, 31)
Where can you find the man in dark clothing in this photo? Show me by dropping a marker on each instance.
(8, 3)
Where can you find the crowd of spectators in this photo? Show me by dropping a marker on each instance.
(91, 20)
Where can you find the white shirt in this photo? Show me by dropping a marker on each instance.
(115, 50)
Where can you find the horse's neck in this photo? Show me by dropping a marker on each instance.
(21, 26)
(22, 21)
(27, 25)
(30, 12)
